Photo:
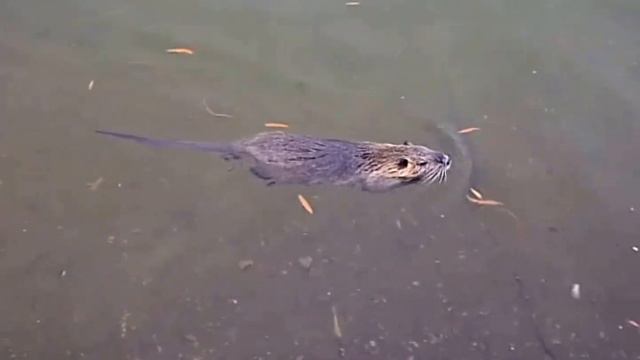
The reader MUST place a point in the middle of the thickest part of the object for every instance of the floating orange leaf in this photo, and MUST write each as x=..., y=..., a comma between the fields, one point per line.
x=468, y=130
x=487, y=202
x=276, y=125
x=305, y=204
x=180, y=51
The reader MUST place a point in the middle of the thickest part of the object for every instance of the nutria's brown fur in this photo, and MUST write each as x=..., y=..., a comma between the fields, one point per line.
x=285, y=158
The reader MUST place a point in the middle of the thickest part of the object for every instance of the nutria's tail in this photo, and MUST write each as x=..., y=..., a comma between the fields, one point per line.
x=185, y=144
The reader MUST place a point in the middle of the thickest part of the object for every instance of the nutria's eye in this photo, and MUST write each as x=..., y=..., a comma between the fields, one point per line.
x=403, y=163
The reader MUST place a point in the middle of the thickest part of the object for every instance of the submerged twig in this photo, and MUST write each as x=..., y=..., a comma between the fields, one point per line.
x=94, y=185
x=487, y=202
x=479, y=199
x=213, y=113
x=337, y=331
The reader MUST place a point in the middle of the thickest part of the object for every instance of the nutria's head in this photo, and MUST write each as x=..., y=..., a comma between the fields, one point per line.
x=408, y=163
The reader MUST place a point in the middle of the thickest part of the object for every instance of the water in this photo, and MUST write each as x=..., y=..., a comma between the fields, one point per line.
x=146, y=266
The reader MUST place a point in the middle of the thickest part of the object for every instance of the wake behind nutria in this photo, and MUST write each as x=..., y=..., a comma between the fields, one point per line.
x=285, y=158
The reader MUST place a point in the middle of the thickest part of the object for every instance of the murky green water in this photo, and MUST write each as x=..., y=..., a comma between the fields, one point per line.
x=145, y=264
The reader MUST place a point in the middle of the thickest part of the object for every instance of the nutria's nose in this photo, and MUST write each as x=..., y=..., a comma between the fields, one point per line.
x=444, y=159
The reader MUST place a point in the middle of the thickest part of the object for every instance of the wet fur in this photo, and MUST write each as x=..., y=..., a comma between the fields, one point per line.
x=284, y=158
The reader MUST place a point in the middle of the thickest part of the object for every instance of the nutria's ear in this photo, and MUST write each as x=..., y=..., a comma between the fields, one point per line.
x=403, y=163
x=407, y=142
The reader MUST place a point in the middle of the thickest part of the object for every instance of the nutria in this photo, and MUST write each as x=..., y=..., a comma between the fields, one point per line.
x=284, y=158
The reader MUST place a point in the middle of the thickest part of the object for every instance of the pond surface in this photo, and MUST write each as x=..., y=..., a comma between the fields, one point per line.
x=112, y=250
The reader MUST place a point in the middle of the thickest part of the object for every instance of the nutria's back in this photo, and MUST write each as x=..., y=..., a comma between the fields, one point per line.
x=318, y=160
x=291, y=158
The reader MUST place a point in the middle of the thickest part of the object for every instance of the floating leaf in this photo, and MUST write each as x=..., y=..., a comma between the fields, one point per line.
x=184, y=51
x=476, y=193
x=305, y=204
x=276, y=125
x=468, y=130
